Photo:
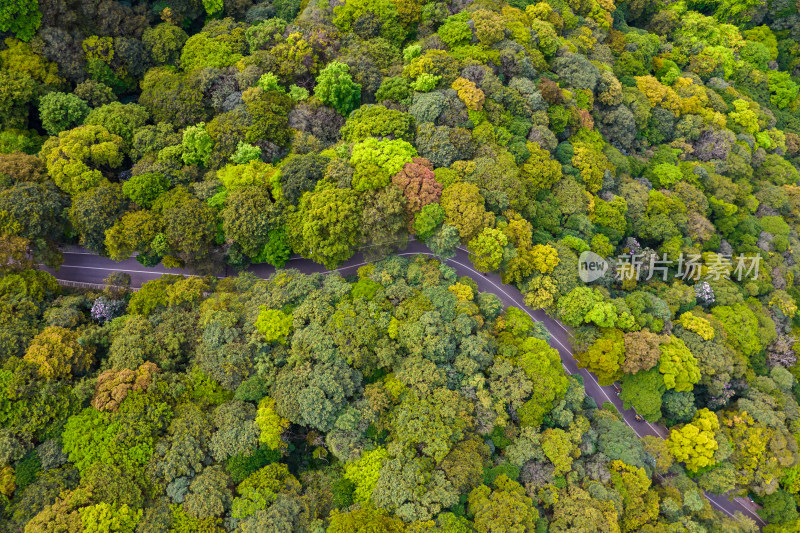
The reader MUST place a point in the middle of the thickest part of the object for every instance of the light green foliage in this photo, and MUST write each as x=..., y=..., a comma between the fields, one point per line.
x=378, y=121
x=427, y=220
x=271, y=425
x=263, y=488
x=269, y=82
x=411, y=51
x=298, y=94
x=376, y=161
x=667, y=175
x=432, y=424
x=742, y=328
x=336, y=88
x=694, y=443
x=277, y=251
x=197, y=145
x=364, y=520
x=425, y=82
x=57, y=353
x=253, y=173
x=605, y=357
x=456, y=31
x=486, y=250
x=386, y=11
x=61, y=111
x=542, y=365
x=132, y=232
x=643, y=391
x=201, y=50
x=744, y=116
x=326, y=225
x=144, y=189
x=106, y=518
x=364, y=473
x=574, y=307
x=784, y=90
x=464, y=210
x=274, y=325
x=93, y=436
x=245, y=153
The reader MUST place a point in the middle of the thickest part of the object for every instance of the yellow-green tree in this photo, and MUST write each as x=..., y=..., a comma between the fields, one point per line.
x=271, y=424
x=486, y=250
x=678, y=365
x=506, y=507
x=58, y=353
x=274, y=324
x=639, y=503
x=464, y=210
x=75, y=158
x=694, y=444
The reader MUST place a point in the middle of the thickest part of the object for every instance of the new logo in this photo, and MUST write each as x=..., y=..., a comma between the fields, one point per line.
x=591, y=266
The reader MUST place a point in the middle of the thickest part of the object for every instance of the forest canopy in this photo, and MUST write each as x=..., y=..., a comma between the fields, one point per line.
x=209, y=135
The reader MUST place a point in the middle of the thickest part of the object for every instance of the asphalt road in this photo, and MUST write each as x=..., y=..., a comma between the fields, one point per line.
x=83, y=266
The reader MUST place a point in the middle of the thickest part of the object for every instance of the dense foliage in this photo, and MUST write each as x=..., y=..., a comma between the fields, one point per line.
x=230, y=132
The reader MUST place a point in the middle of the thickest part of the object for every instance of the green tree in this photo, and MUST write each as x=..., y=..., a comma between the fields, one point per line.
x=271, y=425
x=486, y=250
x=134, y=231
x=61, y=111
x=326, y=225
x=202, y=50
x=337, y=89
x=189, y=225
x=643, y=391
x=376, y=161
x=378, y=121
x=247, y=218
x=274, y=325
x=427, y=220
x=605, y=357
x=678, y=365
x=95, y=211
x=58, y=354
x=245, y=152
x=209, y=495
x=364, y=520
x=197, y=145
x=144, y=189
x=75, y=158
x=444, y=241
x=119, y=119
x=464, y=210
x=107, y=518
x=505, y=507
x=164, y=42
x=21, y=17
x=542, y=365
x=432, y=424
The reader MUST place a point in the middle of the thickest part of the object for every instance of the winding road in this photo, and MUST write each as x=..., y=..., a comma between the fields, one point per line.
x=83, y=266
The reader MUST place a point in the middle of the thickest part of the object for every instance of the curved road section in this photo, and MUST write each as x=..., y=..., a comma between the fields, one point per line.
x=83, y=266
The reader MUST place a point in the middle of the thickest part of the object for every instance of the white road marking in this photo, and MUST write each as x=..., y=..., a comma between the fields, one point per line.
x=121, y=270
